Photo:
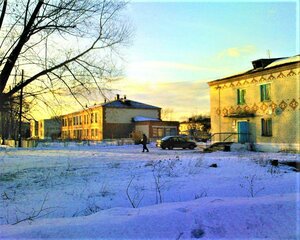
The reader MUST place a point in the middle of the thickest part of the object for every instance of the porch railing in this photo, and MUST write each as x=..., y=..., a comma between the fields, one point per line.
x=230, y=137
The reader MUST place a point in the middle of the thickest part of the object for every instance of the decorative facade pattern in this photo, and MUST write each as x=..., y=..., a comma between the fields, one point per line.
x=272, y=95
x=255, y=80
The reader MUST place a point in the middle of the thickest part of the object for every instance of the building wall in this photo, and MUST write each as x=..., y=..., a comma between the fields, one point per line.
x=143, y=128
x=118, y=121
x=283, y=107
x=157, y=129
x=117, y=130
x=125, y=115
x=110, y=122
x=34, y=129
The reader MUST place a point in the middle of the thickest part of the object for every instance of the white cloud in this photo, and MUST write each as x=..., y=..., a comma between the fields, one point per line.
x=184, y=98
x=236, y=52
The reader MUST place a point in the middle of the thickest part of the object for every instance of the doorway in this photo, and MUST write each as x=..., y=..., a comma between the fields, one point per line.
x=243, y=131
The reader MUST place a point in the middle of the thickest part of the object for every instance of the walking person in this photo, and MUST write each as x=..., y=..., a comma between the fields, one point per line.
x=144, y=142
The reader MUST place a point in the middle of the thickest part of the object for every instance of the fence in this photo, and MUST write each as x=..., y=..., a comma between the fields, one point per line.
x=43, y=143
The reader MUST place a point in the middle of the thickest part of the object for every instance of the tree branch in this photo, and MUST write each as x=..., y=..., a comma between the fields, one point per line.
x=3, y=12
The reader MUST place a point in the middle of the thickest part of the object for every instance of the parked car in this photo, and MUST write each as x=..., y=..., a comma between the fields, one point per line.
x=171, y=142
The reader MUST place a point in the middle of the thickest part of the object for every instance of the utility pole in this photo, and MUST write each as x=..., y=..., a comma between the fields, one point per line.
x=20, y=113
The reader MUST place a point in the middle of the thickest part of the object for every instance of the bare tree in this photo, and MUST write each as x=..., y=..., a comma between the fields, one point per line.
x=65, y=47
x=167, y=114
x=9, y=118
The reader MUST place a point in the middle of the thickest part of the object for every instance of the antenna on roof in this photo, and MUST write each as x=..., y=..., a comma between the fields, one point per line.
x=269, y=53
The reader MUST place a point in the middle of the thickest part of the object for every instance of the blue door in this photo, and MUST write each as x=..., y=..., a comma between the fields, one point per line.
x=243, y=132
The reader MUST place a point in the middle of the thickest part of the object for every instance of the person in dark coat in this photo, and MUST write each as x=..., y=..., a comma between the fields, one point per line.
x=144, y=142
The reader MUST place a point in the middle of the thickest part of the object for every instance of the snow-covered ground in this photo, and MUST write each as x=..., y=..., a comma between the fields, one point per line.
x=118, y=192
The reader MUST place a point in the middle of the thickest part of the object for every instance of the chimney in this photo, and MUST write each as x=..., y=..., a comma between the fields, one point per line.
x=118, y=97
x=125, y=97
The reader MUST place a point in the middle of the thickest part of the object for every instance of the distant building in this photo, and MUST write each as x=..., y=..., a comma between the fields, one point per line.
x=34, y=129
x=115, y=119
x=259, y=106
x=47, y=128
x=195, y=127
x=155, y=128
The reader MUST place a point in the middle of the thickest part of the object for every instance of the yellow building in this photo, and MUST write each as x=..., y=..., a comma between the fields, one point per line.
x=196, y=127
x=260, y=106
x=109, y=120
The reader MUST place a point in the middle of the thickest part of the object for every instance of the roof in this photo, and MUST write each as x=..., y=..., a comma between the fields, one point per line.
x=126, y=103
x=143, y=119
x=283, y=61
x=261, y=65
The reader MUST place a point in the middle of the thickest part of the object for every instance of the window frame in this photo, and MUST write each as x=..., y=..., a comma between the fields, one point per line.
x=265, y=92
x=241, y=92
x=266, y=127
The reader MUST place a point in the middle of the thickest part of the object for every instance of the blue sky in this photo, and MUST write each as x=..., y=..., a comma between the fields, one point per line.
x=177, y=47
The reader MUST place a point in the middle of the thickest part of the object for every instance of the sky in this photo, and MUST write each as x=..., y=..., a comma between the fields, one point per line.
x=177, y=47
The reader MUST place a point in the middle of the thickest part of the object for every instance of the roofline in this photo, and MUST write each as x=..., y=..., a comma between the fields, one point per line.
x=158, y=109
x=251, y=72
x=152, y=107
x=83, y=110
x=159, y=121
x=103, y=106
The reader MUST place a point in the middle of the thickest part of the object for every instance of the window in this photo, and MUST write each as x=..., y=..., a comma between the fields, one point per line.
x=173, y=131
x=160, y=132
x=241, y=96
x=154, y=132
x=168, y=132
x=96, y=117
x=265, y=92
x=266, y=127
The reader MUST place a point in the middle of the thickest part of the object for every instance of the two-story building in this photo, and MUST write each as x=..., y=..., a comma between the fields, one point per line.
x=260, y=106
x=115, y=119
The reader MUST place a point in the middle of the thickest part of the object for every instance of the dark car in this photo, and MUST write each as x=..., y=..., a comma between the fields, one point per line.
x=171, y=142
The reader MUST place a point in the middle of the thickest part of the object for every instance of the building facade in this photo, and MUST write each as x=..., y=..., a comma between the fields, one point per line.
x=109, y=120
x=260, y=106
x=34, y=129
x=47, y=128
x=197, y=128
x=157, y=129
